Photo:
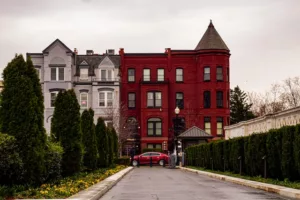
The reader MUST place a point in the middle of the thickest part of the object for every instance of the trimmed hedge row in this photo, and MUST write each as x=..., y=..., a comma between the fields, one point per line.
x=280, y=148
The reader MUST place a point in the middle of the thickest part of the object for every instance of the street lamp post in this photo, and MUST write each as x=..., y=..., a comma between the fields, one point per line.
x=177, y=111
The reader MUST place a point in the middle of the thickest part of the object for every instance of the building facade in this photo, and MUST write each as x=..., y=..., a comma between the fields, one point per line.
x=264, y=123
x=197, y=81
x=94, y=78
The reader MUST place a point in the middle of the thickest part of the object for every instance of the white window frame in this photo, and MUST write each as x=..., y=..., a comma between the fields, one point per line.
x=56, y=93
x=106, y=101
x=179, y=74
x=130, y=77
x=87, y=100
x=57, y=73
x=160, y=74
x=84, y=77
x=146, y=77
x=106, y=78
x=220, y=125
x=207, y=126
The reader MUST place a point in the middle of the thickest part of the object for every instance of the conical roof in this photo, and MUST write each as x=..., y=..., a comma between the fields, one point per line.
x=211, y=40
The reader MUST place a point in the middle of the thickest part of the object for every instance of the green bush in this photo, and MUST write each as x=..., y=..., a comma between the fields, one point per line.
x=125, y=160
x=11, y=165
x=152, y=150
x=53, y=159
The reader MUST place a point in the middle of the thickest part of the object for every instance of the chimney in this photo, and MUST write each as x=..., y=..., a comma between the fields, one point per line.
x=110, y=52
x=75, y=51
x=89, y=52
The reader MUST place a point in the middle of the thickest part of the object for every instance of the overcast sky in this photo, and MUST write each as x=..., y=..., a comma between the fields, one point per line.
x=263, y=35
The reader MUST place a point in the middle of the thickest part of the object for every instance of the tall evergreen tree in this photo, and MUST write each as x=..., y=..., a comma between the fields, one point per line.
x=59, y=112
x=21, y=116
x=102, y=143
x=110, y=145
x=66, y=129
x=89, y=139
x=239, y=108
x=115, y=142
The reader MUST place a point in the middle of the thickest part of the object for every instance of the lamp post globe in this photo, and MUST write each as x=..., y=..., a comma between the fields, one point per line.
x=177, y=110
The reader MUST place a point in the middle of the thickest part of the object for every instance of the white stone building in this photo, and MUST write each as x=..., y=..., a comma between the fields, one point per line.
x=263, y=123
x=94, y=78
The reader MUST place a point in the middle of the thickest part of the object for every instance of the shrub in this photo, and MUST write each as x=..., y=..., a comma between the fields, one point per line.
x=11, y=166
x=53, y=159
x=124, y=160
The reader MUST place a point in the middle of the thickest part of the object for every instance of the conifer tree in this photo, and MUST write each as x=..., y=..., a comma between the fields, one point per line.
x=21, y=116
x=102, y=143
x=110, y=145
x=115, y=143
x=66, y=129
x=89, y=139
x=239, y=108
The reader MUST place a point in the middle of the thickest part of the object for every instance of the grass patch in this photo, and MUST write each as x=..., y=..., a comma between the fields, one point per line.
x=285, y=183
x=62, y=188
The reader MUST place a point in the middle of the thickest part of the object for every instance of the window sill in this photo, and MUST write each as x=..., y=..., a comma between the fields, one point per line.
x=154, y=107
x=154, y=136
x=206, y=80
x=131, y=108
x=179, y=81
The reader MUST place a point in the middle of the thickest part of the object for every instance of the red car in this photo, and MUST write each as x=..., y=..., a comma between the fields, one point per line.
x=157, y=158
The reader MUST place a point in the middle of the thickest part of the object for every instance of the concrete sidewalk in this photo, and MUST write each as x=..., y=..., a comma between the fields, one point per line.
x=284, y=191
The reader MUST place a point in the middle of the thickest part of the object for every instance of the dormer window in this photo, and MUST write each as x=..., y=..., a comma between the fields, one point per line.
x=84, y=74
x=106, y=75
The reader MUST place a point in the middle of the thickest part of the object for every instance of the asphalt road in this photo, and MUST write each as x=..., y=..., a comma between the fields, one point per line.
x=159, y=183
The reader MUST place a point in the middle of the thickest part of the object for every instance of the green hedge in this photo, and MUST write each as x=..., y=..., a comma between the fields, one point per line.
x=280, y=148
x=125, y=160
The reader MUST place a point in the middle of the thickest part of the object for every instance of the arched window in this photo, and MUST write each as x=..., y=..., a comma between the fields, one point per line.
x=154, y=127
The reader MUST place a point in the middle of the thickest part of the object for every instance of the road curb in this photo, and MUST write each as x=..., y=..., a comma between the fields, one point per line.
x=283, y=191
x=98, y=190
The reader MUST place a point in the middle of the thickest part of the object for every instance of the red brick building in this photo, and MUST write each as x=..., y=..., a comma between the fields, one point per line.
x=197, y=81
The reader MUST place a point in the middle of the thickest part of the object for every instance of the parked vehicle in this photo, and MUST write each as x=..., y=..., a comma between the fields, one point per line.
x=144, y=159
